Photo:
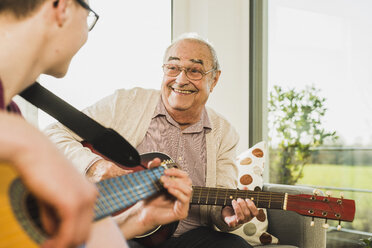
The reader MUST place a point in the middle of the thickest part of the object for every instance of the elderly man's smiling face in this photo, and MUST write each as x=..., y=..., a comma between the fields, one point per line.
x=180, y=94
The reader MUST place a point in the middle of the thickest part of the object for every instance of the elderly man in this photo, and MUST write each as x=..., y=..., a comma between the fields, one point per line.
x=175, y=121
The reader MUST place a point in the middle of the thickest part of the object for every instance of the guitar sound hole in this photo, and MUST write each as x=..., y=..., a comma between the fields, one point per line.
x=33, y=211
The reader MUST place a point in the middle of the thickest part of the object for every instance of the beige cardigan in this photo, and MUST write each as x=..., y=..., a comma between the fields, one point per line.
x=129, y=112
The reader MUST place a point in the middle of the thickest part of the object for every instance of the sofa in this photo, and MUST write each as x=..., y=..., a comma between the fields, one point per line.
x=292, y=229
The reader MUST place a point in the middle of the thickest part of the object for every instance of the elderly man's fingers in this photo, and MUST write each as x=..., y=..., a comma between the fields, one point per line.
x=246, y=213
x=252, y=207
x=154, y=163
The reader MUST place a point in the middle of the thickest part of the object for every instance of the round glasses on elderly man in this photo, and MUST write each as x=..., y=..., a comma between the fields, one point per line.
x=192, y=73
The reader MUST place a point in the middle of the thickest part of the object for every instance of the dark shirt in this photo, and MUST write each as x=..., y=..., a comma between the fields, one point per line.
x=12, y=106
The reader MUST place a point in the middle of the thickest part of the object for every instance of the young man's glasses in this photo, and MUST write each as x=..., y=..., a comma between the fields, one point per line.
x=92, y=16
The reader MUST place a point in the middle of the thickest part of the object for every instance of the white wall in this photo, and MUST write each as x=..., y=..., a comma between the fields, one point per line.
x=124, y=50
x=96, y=72
x=225, y=24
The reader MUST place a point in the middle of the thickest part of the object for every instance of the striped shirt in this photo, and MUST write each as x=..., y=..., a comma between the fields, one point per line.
x=186, y=147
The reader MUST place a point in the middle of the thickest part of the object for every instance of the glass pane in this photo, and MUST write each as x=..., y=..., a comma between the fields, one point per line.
x=130, y=36
x=320, y=80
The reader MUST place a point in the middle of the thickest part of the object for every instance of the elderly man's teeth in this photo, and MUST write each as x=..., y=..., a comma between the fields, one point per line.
x=183, y=91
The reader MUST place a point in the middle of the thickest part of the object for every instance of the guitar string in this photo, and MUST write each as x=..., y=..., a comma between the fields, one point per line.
x=261, y=198
x=260, y=194
x=213, y=197
x=195, y=191
x=228, y=193
x=145, y=190
x=234, y=191
x=240, y=195
x=332, y=200
x=130, y=191
x=299, y=208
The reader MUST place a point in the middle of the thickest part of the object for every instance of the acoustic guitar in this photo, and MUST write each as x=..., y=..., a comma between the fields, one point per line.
x=20, y=224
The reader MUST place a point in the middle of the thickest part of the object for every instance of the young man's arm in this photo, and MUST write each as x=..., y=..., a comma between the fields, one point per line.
x=51, y=178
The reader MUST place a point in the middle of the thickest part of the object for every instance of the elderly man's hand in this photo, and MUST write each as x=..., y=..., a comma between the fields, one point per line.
x=104, y=169
x=162, y=209
x=241, y=212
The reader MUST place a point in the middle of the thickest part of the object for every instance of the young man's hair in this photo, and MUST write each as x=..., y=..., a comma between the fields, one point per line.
x=19, y=8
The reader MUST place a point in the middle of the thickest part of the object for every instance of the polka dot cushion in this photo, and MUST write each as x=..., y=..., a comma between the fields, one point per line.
x=251, y=166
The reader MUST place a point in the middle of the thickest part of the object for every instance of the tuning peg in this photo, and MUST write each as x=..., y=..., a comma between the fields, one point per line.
x=326, y=225
x=329, y=193
x=312, y=223
x=342, y=195
x=316, y=192
x=339, y=226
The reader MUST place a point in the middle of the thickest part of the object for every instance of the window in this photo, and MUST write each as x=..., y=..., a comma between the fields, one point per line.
x=124, y=50
x=327, y=45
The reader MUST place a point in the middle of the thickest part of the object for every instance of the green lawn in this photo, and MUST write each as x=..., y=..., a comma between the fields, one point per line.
x=344, y=176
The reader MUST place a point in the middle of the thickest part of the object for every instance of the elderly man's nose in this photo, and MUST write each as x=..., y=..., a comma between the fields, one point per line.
x=182, y=78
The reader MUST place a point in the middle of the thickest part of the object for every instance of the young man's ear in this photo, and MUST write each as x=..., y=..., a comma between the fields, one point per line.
x=60, y=11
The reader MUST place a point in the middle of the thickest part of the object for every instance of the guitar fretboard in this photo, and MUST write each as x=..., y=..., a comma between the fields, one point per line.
x=121, y=192
x=223, y=197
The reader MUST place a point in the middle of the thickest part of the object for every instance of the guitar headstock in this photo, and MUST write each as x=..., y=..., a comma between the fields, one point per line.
x=325, y=207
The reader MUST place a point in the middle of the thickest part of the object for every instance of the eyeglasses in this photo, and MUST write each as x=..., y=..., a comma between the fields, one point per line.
x=92, y=16
x=192, y=73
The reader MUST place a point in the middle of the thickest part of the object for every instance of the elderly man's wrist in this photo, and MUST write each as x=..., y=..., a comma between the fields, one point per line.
x=94, y=173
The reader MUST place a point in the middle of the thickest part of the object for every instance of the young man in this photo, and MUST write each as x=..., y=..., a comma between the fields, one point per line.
x=176, y=121
x=42, y=36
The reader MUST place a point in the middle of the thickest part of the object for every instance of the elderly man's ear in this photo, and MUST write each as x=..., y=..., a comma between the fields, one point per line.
x=215, y=80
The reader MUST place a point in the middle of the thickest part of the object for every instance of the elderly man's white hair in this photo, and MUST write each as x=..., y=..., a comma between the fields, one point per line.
x=198, y=38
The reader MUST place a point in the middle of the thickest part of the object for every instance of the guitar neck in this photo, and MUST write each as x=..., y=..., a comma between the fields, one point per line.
x=118, y=193
x=223, y=197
